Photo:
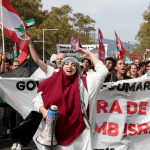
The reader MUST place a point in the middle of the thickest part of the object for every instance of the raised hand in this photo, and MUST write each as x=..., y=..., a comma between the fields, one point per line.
x=86, y=53
x=3, y=56
x=27, y=38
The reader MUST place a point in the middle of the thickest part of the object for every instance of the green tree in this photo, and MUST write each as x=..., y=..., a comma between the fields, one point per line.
x=27, y=9
x=60, y=18
x=83, y=23
x=143, y=35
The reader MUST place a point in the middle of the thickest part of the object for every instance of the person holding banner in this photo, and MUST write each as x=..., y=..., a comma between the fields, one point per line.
x=67, y=90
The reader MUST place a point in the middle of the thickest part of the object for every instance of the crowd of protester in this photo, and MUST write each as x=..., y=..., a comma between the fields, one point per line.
x=118, y=70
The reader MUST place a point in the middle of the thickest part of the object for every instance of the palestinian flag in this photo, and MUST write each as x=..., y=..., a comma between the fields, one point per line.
x=78, y=46
x=15, y=52
x=117, y=39
x=101, y=50
x=147, y=50
x=128, y=60
x=2, y=101
x=27, y=69
x=29, y=22
x=117, y=47
x=13, y=27
x=121, y=49
x=114, y=56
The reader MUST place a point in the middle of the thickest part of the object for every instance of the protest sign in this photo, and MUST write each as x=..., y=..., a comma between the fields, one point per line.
x=133, y=56
x=121, y=111
x=123, y=116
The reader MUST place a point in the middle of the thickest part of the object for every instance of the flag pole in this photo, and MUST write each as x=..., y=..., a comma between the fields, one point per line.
x=2, y=27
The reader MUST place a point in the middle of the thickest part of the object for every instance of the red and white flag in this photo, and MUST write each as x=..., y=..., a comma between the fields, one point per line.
x=114, y=56
x=101, y=50
x=147, y=50
x=117, y=47
x=117, y=39
x=121, y=50
x=13, y=27
x=73, y=42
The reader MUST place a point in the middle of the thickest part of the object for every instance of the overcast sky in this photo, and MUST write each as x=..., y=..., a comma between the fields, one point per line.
x=124, y=17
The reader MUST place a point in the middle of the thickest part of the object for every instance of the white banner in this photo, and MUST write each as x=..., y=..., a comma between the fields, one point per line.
x=19, y=93
x=122, y=111
x=123, y=116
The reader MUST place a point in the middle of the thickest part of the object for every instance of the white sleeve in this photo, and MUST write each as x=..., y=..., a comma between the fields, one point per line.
x=38, y=101
x=96, y=79
x=50, y=71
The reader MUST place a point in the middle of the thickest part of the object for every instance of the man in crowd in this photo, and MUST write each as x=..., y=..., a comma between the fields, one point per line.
x=110, y=65
x=6, y=63
x=147, y=66
x=4, y=107
x=137, y=62
x=15, y=64
x=59, y=59
x=145, y=57
x=86, y=63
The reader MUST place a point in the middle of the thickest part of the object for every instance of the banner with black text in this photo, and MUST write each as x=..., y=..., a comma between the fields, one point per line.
x=122, y=111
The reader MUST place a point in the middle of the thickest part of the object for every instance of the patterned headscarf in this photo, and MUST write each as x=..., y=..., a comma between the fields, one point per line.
x=73, y=60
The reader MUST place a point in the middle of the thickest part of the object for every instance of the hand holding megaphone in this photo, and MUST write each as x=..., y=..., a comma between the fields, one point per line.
x=48, y=135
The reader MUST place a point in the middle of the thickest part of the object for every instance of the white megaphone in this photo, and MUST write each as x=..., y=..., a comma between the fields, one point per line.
x=48, y=135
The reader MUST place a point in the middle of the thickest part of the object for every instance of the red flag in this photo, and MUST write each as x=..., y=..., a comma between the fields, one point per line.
x=114, y=56
x=117, y=39
x=14, y=27
x=101, y=46
x=78, y=42
x=147, y=50
x=73, y=42
x=121, y=50
x=78, y=46
x=133, y=56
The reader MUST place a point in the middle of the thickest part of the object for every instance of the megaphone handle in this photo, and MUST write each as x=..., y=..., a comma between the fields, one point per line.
x=52, y=132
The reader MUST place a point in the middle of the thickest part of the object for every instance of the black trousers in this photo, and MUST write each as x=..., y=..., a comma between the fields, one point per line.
x=3, y=119
x=25, y=132
x=9, y=119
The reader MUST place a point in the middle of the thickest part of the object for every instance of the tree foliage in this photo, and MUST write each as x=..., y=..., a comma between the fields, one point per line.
x=61, y=18
x=84, y=23
x=143, y=35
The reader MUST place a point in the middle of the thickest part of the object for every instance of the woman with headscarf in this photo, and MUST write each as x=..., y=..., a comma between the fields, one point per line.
x=67, y=91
